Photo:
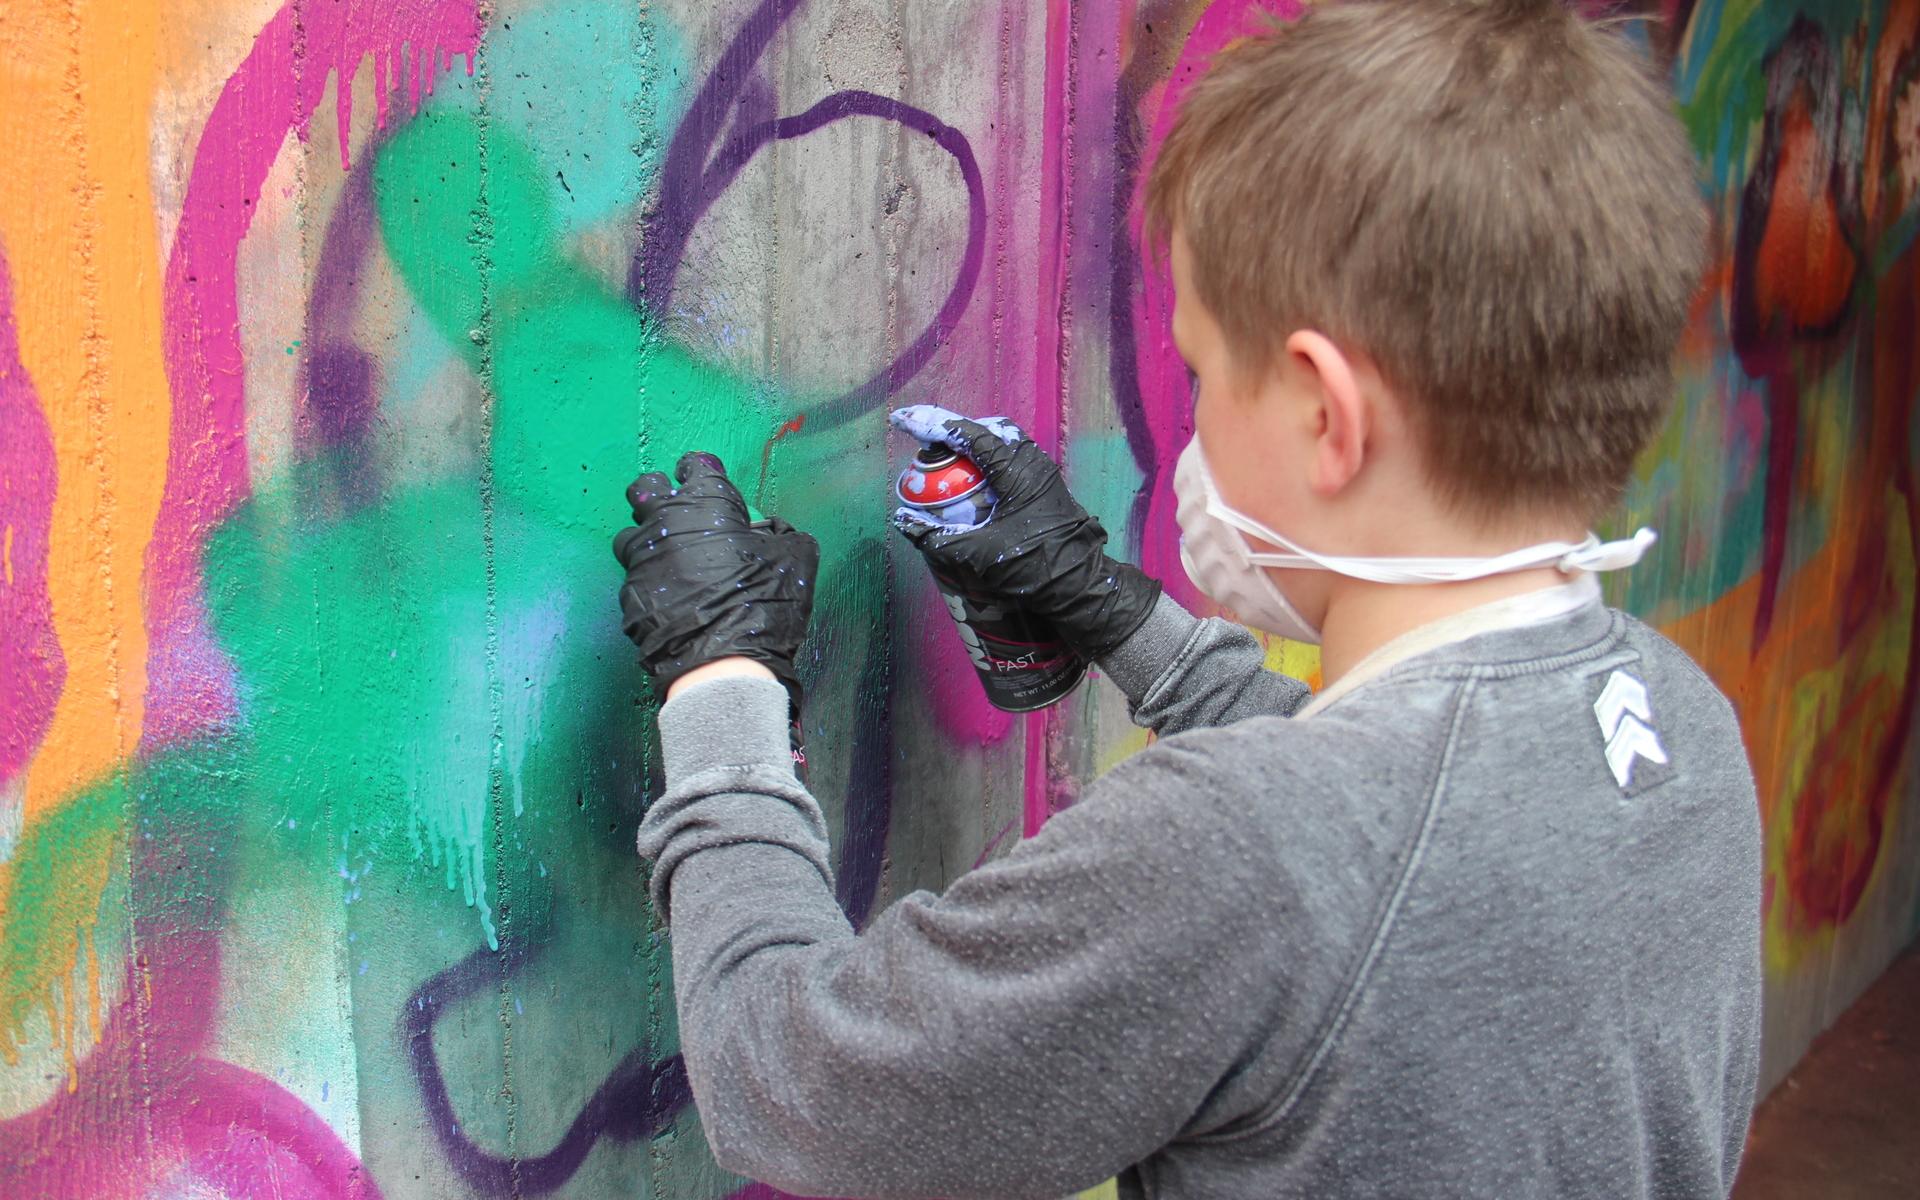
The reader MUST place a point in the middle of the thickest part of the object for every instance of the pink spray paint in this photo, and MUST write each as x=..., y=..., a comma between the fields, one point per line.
x=32, y=668
x=1162, y=373
x=274, y=92
x=146, y=1103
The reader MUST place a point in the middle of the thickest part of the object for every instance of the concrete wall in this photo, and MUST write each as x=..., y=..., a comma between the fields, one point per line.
x=330, y=332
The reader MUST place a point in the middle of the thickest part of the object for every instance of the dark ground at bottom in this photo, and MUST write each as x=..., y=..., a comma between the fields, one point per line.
x=1845, y=1125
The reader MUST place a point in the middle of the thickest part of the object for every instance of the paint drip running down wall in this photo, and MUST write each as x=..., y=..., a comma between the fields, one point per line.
x=330, y=334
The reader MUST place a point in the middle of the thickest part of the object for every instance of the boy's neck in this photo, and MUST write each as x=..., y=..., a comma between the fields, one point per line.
x=1363, y=616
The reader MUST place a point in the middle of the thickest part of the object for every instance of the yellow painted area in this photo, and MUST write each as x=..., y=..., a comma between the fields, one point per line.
x=1120, y=749
x=1297, y=659
x=1106, y=1191
x=76, y=221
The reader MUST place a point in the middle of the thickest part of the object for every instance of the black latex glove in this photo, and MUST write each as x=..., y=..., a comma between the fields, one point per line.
x=705, y=583
x=1040, y=551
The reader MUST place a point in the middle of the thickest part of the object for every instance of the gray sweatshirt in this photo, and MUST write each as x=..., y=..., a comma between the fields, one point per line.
x=1486, y=923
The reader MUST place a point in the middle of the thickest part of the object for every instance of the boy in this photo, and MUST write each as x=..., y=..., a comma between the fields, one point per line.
x=1482, y=917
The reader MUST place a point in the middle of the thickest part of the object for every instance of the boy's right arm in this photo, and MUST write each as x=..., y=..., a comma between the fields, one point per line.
x=1042, y=552
x=1180, y=672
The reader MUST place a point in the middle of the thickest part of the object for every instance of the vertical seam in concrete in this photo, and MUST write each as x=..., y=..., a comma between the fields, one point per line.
x=894, y=173
x=1050, y=343
x=87, y=222
x=483, y=240
x=780, y=154
x=1002, y=219
x=881, y=641
x=656, y=1168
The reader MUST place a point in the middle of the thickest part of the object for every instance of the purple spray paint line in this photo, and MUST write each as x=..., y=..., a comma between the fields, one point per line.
x=1022, y=662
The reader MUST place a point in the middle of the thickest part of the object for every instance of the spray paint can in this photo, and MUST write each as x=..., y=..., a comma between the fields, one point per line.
x=1022, y=661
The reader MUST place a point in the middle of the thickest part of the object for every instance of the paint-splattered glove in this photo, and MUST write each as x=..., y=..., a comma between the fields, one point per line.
x=1040, y=550
x=705, y=581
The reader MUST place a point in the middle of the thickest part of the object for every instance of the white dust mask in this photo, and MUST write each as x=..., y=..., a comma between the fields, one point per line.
x=1214, y=550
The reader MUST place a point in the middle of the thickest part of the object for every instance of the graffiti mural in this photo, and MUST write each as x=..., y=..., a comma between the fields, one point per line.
x=1785, y=480
x=330, y=334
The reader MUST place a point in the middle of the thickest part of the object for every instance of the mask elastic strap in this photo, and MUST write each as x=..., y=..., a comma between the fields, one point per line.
x=1612, y=556
x=1589, y=555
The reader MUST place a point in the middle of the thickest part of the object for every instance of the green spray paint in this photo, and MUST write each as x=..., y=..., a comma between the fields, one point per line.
x=358, y=628
x=59, y=875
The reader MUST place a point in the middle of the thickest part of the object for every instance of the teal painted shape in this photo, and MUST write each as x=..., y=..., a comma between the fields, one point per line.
x=594, y=85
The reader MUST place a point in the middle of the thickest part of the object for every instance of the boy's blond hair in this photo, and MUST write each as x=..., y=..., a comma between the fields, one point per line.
x=1493, y=199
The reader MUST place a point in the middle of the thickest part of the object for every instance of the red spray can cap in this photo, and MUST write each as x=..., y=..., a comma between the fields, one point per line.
x=938, y=477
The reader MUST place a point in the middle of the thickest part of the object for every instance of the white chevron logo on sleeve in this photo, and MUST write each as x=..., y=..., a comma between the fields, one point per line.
x=1626, y=722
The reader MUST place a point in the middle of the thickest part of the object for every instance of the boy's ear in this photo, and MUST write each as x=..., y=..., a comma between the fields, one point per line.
x=1344, y=414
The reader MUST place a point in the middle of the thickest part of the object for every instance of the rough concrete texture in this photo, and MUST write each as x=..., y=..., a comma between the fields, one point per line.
x=330, y=333
x=1845, y=1124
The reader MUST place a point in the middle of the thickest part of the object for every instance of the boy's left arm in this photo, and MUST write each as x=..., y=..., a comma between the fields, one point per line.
x=1053, y=1018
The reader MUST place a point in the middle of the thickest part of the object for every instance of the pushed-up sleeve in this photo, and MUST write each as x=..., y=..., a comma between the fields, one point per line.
x=1182, y=672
